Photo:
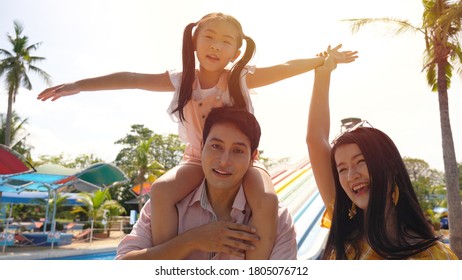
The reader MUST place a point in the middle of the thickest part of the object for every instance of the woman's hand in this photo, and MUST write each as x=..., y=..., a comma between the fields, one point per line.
x=341, y=56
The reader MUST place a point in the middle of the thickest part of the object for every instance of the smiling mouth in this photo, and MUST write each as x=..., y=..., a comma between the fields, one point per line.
x=220, y=172
x=359, y=188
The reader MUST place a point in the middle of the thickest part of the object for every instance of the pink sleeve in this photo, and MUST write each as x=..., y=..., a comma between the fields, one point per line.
x=140, y=236
x=285, y=247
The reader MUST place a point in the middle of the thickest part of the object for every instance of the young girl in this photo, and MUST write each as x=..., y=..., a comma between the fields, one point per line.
x=215, y=41
x=372, y=210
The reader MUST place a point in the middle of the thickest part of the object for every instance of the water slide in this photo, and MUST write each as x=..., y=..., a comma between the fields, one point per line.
x=297, y=190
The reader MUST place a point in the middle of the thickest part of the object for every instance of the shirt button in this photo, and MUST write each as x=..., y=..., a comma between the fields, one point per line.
x=203, y=116
x=200, y=104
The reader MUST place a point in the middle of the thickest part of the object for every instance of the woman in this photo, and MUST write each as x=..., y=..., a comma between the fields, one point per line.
x=372, y=210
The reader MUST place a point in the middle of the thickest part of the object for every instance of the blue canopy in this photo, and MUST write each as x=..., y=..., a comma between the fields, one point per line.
x=95, y=177
x=31, y=182
x=33, y=198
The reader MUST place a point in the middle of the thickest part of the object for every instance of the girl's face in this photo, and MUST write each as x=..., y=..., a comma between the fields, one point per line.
x=353, y=174
x=217, y=44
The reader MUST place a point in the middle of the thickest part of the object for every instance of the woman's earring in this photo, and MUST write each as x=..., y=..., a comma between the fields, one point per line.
x=395, y=195
x=352, y=211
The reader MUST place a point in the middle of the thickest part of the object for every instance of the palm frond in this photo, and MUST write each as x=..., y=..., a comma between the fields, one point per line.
x=80, y=209
x=33, y=59
x=16, y=127
x=456, y=57
x=431, y=77
x=25, y=82
x=5, y=53
x=34, y=47
x=114, y=207
x=41, y=73
x=18, y=27
x=452, y=12
x=85, y=199
x=398, y=26
x=99, y=197
x=429, y=16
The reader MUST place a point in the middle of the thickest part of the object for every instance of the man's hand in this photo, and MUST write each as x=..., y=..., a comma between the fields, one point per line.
x=224, y=236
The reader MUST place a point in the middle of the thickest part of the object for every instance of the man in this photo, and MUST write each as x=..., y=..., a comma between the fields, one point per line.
x=213, y=219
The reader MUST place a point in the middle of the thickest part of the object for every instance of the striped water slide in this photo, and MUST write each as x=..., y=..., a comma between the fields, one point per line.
x=296, y=189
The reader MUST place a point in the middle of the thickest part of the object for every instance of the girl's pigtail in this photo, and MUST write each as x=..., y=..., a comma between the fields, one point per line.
x=234, y=83
x=189, y=66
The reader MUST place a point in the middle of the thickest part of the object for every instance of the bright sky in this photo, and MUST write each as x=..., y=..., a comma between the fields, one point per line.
x=87, y=38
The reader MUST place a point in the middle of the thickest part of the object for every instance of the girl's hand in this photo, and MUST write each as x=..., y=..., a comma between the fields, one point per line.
x=58, y=91
x=343, y=56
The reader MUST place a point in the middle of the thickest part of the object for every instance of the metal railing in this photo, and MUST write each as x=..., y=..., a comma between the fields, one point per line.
x=27, y=234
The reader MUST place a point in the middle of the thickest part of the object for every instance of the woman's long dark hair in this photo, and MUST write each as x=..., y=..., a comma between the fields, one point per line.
x=386, y=169
x=189, y=63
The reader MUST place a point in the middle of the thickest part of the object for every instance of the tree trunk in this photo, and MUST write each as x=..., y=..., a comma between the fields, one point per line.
x=450, y=166
x=9, y=116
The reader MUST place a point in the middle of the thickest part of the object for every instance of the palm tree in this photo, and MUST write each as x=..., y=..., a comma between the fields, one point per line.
x=15, y=65
x=441, y=28
x=97, y=204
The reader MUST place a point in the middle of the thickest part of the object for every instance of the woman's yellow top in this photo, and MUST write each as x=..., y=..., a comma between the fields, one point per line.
x=439, y=251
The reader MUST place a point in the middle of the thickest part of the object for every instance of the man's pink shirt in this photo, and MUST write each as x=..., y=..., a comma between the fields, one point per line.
x=194, y=211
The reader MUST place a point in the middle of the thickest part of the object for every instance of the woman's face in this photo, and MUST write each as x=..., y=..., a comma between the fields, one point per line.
x=353, y=174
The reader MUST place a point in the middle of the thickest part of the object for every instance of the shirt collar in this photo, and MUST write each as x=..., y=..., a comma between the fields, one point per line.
x=200, y=196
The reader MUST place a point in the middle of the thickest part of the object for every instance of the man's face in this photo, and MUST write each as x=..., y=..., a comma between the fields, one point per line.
x=226, y=156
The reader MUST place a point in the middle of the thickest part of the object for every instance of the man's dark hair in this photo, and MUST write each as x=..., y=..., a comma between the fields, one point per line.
x=242, y=119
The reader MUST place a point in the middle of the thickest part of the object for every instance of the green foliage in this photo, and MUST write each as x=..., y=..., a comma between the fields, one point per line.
x=37, y=210
x=80, y=162
x=165, y=149
x=96, y=203
x=144, y=157
x=24, y=212
x=428, y=183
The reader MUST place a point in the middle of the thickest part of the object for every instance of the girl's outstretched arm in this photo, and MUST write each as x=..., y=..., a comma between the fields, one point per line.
x=120, y=80
x=272, y=74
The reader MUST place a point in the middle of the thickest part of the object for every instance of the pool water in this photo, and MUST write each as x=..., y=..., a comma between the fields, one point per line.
x=95, y=256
